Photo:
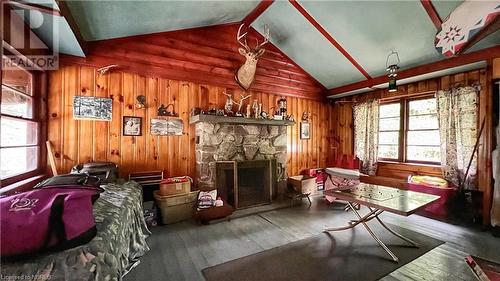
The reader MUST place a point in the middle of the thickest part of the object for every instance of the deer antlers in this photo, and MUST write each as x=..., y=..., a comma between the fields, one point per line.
x=257, y=45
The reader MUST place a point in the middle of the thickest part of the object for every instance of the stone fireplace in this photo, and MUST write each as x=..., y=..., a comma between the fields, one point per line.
x=224, y=147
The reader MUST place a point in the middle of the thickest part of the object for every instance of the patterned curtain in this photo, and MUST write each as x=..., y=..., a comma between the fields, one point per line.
x=366, y=135
x=458, y=118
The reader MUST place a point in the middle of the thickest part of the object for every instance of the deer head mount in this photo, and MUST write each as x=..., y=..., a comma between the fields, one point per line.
x=246, y=73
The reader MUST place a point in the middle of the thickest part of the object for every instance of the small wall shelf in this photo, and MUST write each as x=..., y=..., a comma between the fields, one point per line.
x=238, y=120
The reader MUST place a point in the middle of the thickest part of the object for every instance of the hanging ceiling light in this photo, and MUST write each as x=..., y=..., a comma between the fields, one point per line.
x=392, y=70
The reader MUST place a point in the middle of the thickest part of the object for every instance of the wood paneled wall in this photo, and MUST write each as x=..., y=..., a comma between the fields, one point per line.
x=78, y=141
x=203, y=55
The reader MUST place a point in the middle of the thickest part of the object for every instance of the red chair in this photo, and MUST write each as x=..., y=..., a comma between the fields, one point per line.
x=348, y=162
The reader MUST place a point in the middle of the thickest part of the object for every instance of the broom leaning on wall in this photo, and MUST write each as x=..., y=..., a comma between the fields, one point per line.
x=495, y=207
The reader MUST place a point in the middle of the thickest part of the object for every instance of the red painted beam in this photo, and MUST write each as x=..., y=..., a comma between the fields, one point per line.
x=431, y=11
x=329, y=37
x=491, y=28
x=255, y=13
x=33, y=7
x=484, y=54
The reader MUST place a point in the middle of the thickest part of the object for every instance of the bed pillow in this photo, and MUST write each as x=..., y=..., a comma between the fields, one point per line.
x=206, y=199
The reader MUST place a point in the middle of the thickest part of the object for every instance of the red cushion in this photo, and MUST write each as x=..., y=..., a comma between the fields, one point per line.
x=214, y=213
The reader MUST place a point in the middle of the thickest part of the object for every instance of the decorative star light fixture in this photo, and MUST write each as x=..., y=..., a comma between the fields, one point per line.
x=392, y=70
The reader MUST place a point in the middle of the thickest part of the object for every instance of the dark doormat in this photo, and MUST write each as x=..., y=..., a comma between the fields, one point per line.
x=342, y=255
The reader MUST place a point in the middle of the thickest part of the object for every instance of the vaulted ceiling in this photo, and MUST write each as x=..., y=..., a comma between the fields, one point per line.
x=336, y=42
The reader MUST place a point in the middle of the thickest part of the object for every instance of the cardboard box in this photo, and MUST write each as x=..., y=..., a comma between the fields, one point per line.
x=303, y=184
x=175, y=186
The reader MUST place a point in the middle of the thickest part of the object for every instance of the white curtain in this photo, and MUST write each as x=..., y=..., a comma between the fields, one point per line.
x=458, y=126
x=366, y=135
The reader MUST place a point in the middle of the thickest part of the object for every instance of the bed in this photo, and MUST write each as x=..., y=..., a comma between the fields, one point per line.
x=117, y=247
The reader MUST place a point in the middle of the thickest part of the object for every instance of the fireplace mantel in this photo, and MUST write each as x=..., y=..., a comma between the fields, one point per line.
x=238, y=120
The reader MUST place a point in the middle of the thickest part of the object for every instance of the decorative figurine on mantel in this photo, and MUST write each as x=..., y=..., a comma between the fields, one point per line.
x=228, y=107
x=248, y=111
x=255, y=108
x=240, y=104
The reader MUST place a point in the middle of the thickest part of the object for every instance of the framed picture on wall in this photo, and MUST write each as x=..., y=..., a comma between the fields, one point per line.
x=305, y=130
x=167, y=127
x=92, y=108
x=132, y=126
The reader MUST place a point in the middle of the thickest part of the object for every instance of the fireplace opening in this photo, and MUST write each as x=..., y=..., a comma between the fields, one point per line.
x=252, y=184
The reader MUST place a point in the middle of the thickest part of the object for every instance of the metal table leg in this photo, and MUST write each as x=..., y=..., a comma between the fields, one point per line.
x=394, y=257
x=413, y=243
x=353, y=223
x=374, y=213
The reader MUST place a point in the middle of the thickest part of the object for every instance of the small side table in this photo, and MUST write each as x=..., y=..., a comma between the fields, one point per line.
x=300, y=187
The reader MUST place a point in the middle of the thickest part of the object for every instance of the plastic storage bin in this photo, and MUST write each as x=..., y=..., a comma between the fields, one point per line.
x=176, y=208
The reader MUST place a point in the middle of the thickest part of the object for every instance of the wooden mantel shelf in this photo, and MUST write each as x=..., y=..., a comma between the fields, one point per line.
x=238, y=120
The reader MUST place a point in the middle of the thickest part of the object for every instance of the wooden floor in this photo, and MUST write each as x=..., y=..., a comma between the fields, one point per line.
x=180, y=251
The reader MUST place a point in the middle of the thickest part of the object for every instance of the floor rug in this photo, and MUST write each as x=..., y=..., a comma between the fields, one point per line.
x=343, y=255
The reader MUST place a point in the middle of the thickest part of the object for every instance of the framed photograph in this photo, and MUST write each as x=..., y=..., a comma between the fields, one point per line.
x=132, y=126
x=92, y=108
x=305, y=130
x=167, y=127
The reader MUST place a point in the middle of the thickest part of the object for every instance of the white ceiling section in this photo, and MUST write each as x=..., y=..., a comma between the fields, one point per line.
x=99, y=20
x=300, y=41
x=369, y=30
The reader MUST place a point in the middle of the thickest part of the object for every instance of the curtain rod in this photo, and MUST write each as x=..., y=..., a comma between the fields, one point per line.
x=476, y=86
x=407, y=95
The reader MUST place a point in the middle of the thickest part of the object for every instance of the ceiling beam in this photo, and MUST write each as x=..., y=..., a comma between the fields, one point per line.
x=329, y=38
x=66, y=13
x=491, y=28
x=483, y=54
x=33, y=7
x=255, y=13
x=431, y=11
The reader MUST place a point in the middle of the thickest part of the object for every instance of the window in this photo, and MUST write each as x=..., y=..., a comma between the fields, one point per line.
x=409, y=131
x=389, y=131
x=19, y=141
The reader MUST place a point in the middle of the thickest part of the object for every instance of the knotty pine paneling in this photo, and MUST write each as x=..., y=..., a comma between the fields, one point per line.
x=202, y=55
x=78, y=141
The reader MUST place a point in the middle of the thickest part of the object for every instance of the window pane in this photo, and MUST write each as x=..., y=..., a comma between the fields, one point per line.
x=389, y=110
x=15, y=161
x=418, y=107
x=423, y=122
x=423, y=138
x=16, y=104
x=389, y=124
x=388, y=138
x=388, y=151
x=17, y=79
x=423, y=153
x=17, y=132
